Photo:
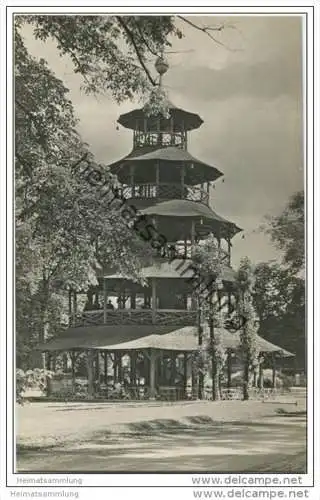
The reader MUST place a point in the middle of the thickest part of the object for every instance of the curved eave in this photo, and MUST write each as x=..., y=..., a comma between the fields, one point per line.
x=175, y=269
x=191, y=121
x=190, y=209
x=169, y=155
x=137, y=337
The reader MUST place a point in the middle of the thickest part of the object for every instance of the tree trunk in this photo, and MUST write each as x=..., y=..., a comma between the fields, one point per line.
x=246, y=380
x=39, y=358
x=215, y=385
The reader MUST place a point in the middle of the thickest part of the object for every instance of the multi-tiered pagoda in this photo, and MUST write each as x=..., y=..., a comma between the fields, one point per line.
x=145, y=335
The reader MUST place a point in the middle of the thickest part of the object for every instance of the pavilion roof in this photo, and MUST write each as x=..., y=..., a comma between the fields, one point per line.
x=187, y=208
x=140, y=337
x=135, y=117
x=201, y=171
x=177, y=268
x=174, y=154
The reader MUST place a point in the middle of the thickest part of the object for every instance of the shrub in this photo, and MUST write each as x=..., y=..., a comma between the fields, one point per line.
x=30, y=379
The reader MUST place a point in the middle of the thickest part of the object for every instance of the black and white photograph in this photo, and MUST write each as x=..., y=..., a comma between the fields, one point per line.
x=161, y=198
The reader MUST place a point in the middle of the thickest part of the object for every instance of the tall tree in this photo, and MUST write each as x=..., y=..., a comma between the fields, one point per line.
x=287, y=231
x=110, y=52
x=208, y=260
x=249, y=330
x=279, y=299
x=64, y=230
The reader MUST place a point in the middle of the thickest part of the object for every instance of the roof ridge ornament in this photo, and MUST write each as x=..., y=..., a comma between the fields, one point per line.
x=161, y=66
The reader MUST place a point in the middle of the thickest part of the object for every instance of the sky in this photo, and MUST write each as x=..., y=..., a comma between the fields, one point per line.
x=249, y=94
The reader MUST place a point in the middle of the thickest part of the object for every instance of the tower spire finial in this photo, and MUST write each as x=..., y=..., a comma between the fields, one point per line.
x=161, y=66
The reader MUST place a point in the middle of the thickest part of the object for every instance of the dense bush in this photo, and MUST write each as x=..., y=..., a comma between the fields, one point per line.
x=30, y=379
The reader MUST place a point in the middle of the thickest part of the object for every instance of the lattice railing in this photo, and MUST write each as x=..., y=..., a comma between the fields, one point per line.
x=183, y=317
x=167, y=191
x=138, y=317
x=158, y=138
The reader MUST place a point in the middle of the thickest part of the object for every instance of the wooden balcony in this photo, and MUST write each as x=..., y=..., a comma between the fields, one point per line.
x=168, y=317
x=165, y=191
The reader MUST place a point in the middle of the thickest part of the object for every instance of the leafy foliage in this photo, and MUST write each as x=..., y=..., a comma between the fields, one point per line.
x=287, y=232
x=110, y=52
x=248, y=335
x=207, y=258
x=65, y=232
x=30, y=379
x=279, y=298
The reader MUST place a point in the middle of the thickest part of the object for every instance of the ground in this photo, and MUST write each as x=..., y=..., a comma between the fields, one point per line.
x=228, y=436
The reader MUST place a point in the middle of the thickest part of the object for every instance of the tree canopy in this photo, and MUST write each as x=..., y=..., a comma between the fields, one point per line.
x=287, y=232
x=279, y=299
x=65, y=232
x=110, y=52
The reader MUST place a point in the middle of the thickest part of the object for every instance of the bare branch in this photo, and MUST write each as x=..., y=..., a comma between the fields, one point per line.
x=131, y=37
x=207, y=30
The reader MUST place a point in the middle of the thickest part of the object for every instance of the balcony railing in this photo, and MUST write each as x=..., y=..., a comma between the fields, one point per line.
x=165, y=191
x=160, y=139
x=168, y=317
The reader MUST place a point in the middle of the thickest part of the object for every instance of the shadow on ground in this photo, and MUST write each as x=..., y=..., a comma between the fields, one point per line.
x=276, y=444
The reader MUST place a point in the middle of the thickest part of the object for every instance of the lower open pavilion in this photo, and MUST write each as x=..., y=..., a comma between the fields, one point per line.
x=144, y=362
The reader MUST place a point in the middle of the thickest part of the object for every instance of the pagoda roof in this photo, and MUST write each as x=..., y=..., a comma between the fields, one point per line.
x=187, y=208
x=135, y=118
x=140, y=337
x=177, y=268
x=201, y=171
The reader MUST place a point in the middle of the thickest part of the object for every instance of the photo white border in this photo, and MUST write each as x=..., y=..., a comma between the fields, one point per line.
x=233, y=8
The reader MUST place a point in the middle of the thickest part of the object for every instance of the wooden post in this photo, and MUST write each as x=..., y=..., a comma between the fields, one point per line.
x=90, y=373
x=154, y=300
x=73, y=370
x=70, y=307
x=48, y=358
x=261, y=382
x=65, y=362
x=173, y=371
x=157, y=178
x=97, y=369
x=193, y=235
x=185, y=373
x=133, y=300
x=229, y=303
x=274, y=372
x=74, y=308
x=229, y=368
x=255, y=378
x=120, y=372
x=115, y=367
x=229, y=250
x=105, y=371
x=105, y=298
x=133, y=368
x=194, y=378
x=182, y=173
x=131, y=178
x=152, y=373
x=105, y=367
x=200, y=341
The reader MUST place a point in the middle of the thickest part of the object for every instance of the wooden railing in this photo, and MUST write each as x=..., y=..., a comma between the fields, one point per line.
x=169, y=317
x=159, y=138
x=165, y=191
